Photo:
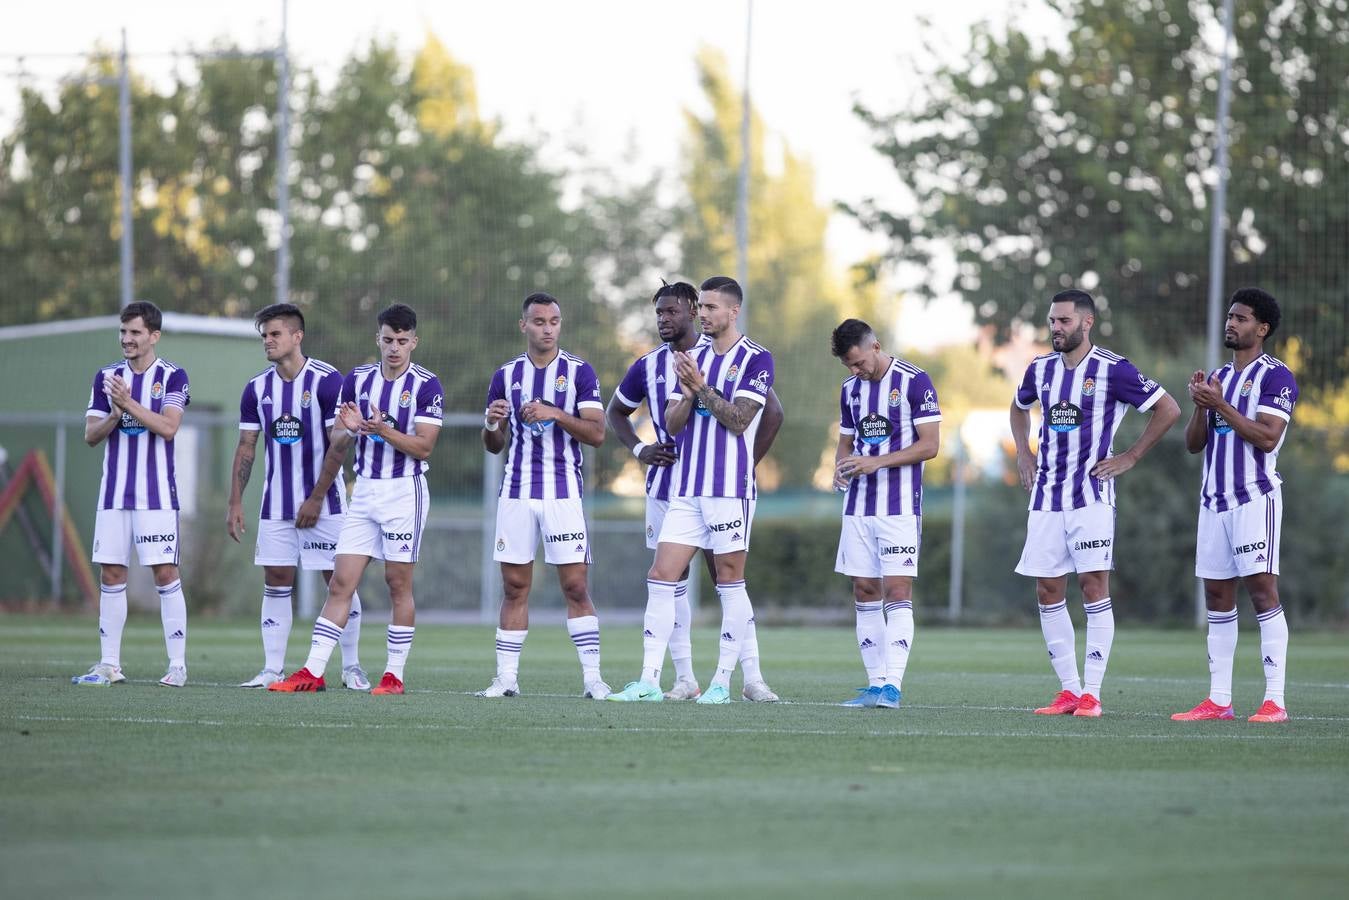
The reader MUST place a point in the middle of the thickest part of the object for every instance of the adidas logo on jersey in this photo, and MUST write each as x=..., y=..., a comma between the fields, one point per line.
x=266, y=400
x=660, y=379
x=516, y=386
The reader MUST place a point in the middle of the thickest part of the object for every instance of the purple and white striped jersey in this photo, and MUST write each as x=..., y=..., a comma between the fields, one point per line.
x=137, y=463
x=543, y=462
x=883, y=417
x=1083, y=407
x=294, y=418
x=415, y=396
x=1234, y=471
x=713, y=462
x=652, y=378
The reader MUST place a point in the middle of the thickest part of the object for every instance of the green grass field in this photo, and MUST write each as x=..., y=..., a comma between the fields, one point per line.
x=210, y=791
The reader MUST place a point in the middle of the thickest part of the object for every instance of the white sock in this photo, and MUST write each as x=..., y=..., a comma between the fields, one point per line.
x=658, y=626
x=736, y=611
x=399, y=645
x=1100, y=636
x=749, y=651
x=898, y=639
x=1222, y=648
x=351, y=636
x=585, y=634
x=321, y=643
x=870, y=637
x=173, y=616
x=509, y=646
x=277, y=619
x=681, y=638
x=1061, y=641
x=111, y=621
x=1274, y=652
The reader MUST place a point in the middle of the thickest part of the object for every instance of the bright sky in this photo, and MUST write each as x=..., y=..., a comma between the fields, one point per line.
x=606, y=73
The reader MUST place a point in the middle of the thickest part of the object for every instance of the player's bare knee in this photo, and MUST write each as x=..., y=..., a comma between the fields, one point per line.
x=166, y=574
x=113, y=575
x=278, y=576
x=1049, y=591
x=1095, y=586
x=1264, y=591
x=866, y=590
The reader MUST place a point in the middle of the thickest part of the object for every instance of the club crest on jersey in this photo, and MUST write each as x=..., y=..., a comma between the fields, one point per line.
x=1246, y=387
x=1064, y=416
x=1088, y=387
x=560, y=383
x=306, y=398
x=405, y=399
x=875, y=429
x=733, y=372
x=157, y=390
x=894, y=396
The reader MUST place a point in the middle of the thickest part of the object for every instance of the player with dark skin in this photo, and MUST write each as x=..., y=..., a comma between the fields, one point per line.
x=1245, y=336
x=541, y=325
x=674, y=324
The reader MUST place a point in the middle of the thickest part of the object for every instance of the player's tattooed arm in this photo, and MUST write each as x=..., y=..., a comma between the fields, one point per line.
x=339, y=442
x=241, y=469
x=735, y=415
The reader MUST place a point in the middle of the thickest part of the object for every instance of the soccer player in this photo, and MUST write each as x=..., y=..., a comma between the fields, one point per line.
x=136, y=406
x=549, y=401
x=889, y=424
x=1083, y=391
x=394, y=410
x=1240, y=420
x=651, y=379
x=713, y=411
x=292, y=405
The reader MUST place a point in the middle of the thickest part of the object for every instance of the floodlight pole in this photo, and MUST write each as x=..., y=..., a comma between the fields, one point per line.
x=124, y=164
x=283, y=160
x=742, y=193
x=1217, y=234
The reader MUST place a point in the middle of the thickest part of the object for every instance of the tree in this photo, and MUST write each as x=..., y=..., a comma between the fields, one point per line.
x=1091, y=163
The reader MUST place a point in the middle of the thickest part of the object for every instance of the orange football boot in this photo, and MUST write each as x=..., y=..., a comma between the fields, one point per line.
x=1064, y=704
x=299, y=681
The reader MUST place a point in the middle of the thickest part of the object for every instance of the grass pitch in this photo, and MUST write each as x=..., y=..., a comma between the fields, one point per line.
x=211, y=791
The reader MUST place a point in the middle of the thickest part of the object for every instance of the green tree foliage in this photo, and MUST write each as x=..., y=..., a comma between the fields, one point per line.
x=1089, y=159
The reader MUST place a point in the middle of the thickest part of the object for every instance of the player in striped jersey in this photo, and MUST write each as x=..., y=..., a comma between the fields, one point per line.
x=1084, y=392
x=393, y=409
x=1240, y=420
x=713, y=412
x=292, y=405
x=549, y=401
x=136, y=406
x=651, y=379
x=889, y=424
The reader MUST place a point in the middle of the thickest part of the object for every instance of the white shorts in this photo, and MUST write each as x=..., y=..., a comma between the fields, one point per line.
x=280, y=543
x=879, y=546
x=719, y=524
x=1240, y=541
x=153, y=531
x=561, y=522
x=1057, y=543
x=386, y=518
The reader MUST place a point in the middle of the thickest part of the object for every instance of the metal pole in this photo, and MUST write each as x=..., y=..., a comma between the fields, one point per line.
x=1217, y=235
x=955, y=601
x=742, y=193
x=124, y=163
x=283, y=160
x=58, y=513
x=491, y=572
